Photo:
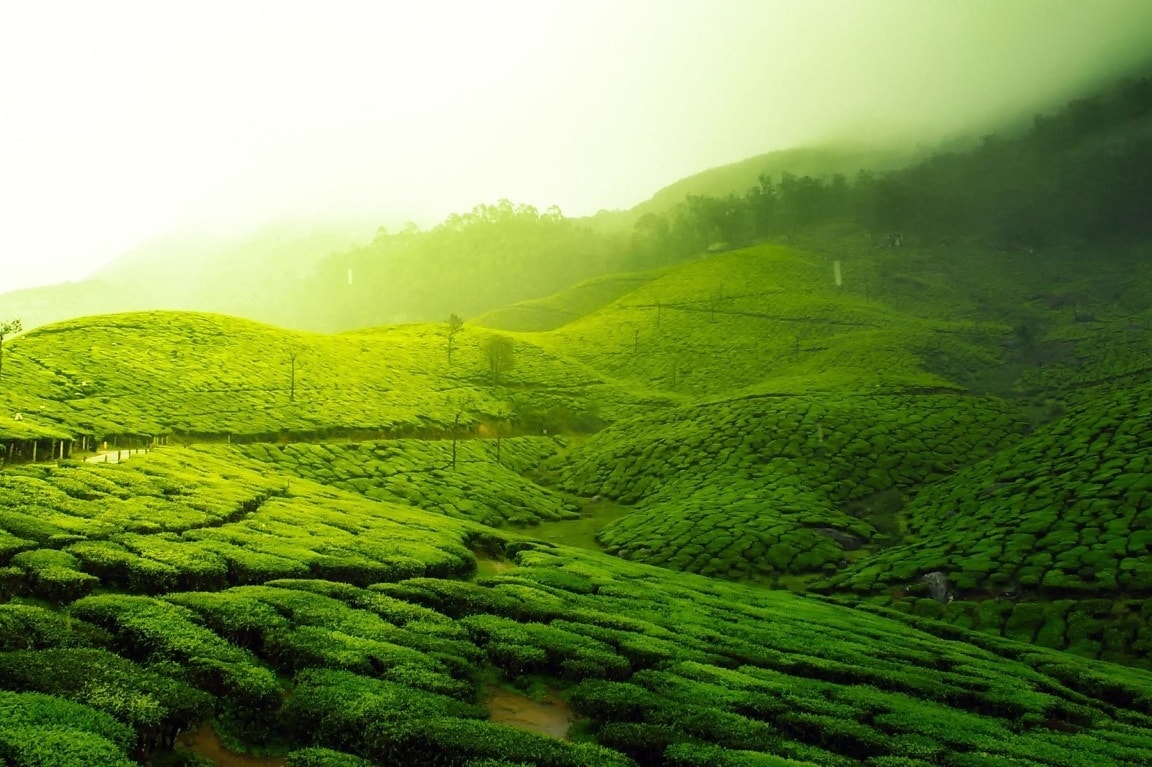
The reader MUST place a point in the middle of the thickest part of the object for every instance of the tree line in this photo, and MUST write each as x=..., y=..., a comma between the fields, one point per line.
x=1080, y=173
x=1083, y=172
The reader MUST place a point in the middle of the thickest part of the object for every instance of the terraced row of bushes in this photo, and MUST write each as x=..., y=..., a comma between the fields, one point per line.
x=146, y=527
x=665, y=668
x=486, y=485
x=764, y=318
x=700, y=672
x=767, y=485
x=1065, y=512
x=1115, y=630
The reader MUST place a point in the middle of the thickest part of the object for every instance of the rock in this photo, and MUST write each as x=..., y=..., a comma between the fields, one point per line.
x=847, y=541
x=938, y=586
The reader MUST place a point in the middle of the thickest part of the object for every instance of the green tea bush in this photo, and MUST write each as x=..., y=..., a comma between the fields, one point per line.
x=38, y=730
x=324, y=757
x=763, y=486
x=53, y=575
x=151, y=631
x=155, y=706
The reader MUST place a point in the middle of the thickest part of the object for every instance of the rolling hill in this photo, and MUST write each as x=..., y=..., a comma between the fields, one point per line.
x=851, y=504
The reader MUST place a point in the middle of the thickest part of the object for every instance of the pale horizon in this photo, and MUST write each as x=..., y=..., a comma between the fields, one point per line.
x=126, y=121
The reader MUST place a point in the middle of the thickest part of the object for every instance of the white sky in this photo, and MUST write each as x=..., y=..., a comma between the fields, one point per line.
x=121, y=120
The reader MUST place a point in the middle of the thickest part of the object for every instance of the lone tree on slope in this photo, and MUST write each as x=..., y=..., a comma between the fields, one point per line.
x=498, y=350
x=455, y=325
x=7, y=329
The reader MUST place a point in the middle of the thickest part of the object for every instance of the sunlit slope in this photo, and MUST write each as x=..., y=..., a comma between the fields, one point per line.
x=484, y=483
x=321, y=619
x=199, y=518
x=559, y=309
x=163, y=372
x=764, y=486
x=1056, y=321
x=766, y=318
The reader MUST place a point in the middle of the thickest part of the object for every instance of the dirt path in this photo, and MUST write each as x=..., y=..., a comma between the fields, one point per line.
x=551, y=716
x=205, y=742
x=114, y=456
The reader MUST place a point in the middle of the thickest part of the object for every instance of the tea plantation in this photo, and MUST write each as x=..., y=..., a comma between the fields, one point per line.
x=200, y=376
x=835, y=524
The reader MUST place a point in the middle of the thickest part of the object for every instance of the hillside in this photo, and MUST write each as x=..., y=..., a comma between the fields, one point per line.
x=813, y=497
x=380, y=567
x=347, y=630
x=210, y=376
x=736, y=178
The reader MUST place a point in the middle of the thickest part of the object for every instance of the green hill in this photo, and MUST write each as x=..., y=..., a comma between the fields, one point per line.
x=373, y=562
x=212, y=376
x=769, y=319
x=736, y=178
x=559, y=309
x=770, y=486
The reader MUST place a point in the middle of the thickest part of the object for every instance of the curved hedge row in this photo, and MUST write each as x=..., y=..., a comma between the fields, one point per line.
x=1066, y=512
x=775, y=485
x=156, y=524
x=420, y=473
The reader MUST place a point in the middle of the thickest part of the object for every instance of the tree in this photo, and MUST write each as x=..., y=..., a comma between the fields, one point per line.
x=461, y=406
x=455, y=325
x=502, y=415
x=292, y=355
x=6, y=329
x=500, y=354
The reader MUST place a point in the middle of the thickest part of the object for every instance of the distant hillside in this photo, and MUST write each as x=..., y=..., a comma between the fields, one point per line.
x=211, y=376
x=251, y=275
x=559, y=309
x=738, y=177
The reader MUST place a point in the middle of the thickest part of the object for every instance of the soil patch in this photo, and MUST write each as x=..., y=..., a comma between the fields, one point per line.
x=550, y=716
x=205, y=742
x=486, y=564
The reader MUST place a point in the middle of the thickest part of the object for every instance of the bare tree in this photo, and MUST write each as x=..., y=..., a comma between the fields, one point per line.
x=455, y=325
x=6, y=329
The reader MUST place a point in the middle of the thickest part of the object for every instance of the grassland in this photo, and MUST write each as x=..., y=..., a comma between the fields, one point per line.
x=383, y=544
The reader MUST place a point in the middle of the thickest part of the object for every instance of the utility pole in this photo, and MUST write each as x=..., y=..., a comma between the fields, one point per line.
x=292, y=384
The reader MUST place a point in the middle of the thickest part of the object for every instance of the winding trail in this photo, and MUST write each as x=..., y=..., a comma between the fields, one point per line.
x=551, y=716
x=205, y=742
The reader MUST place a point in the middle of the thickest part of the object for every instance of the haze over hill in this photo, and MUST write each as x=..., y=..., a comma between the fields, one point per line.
x=394, y=115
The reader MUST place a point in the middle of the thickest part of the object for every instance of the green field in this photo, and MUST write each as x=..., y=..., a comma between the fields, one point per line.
x=698, y=508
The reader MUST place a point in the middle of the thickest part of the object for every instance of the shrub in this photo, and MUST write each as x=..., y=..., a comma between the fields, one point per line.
x=324, y=757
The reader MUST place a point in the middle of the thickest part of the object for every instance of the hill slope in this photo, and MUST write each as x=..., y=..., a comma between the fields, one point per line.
x=196, y=374
x=334, y=622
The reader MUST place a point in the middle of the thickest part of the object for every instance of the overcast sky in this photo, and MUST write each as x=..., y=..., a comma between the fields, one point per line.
x=120, y=121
